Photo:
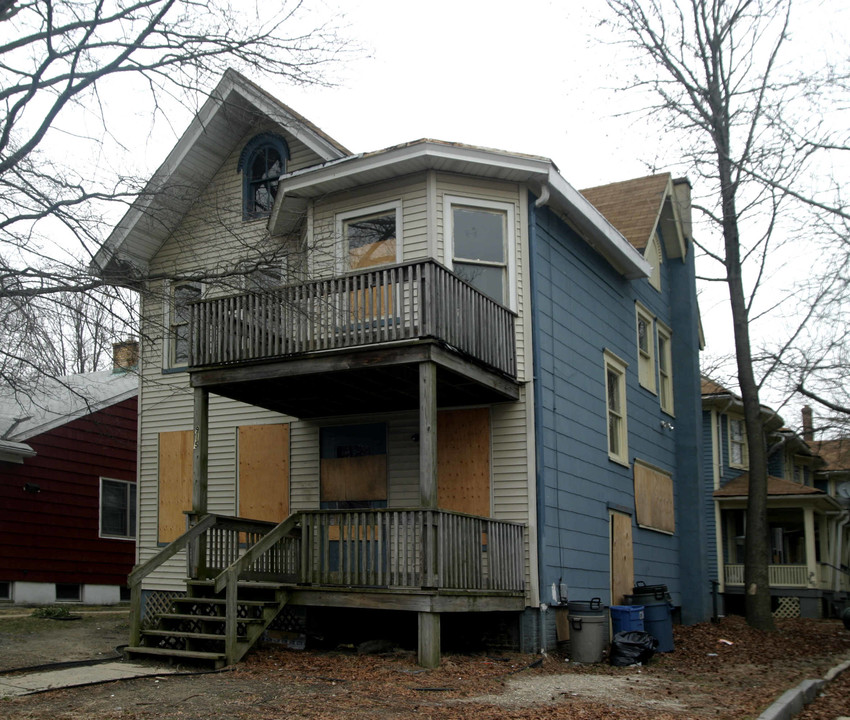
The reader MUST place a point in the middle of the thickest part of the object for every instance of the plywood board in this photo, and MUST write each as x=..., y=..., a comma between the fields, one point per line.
x=175, y=483
x=354, y=478
x=622, y=557
x=264, y=472
x=463, y=461
x=654, y=498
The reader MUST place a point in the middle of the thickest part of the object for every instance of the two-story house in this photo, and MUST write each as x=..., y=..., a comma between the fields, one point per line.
x=434, y=382
x=808, y=535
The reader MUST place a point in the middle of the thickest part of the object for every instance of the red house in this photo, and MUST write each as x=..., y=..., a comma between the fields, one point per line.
x=68, y=488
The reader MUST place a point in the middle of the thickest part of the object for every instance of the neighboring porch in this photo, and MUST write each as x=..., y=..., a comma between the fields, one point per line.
x=807, y=547
x=241, y=573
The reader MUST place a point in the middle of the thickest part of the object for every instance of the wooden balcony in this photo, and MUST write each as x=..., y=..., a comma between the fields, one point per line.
x=359, y=335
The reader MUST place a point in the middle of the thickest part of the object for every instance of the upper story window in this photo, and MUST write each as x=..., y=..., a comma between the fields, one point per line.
x=480, y=246
x=665, y=368
x=738, y=450
x=262, y=162
x=179, y=314
x=645, y=347
x=117, y=509
x=653, y=256
x=369, y=237
x=615, y=399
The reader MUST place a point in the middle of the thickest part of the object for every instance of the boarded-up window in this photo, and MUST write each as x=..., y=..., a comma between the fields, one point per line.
x=175, y=483
x=354, y=466
x=264, y=472
x=654, y=498
x=463, y=461
x=622, y=557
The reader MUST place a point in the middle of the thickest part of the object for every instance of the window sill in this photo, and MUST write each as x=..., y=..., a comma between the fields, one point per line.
x=172, y=371
x=620, y=461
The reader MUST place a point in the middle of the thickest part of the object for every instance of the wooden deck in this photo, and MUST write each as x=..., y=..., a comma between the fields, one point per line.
x=419, y=560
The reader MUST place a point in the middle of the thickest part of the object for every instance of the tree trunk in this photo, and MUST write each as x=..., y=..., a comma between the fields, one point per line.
x=757, y=539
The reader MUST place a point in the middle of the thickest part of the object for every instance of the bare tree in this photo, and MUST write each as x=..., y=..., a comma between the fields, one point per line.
x=64, y=174
x=718, y=82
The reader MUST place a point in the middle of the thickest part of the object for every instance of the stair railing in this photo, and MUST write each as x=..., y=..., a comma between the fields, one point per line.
x=228, y=579
x=140, y=572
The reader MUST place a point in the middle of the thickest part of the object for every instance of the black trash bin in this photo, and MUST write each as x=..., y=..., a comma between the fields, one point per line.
x=657, y=612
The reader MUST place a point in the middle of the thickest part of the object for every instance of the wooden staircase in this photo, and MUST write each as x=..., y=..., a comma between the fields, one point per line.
x=195, y=630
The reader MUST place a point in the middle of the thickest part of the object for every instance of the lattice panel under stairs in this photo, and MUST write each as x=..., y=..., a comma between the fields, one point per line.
x=290, y=619
x=789, y=607
x=157, y=603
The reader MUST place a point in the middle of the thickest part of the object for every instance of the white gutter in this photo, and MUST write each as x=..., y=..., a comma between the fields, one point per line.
x=15, y=452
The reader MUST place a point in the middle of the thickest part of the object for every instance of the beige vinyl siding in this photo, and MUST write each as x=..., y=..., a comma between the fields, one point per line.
x=493, y=191
x=409, y=191
x=166, y=400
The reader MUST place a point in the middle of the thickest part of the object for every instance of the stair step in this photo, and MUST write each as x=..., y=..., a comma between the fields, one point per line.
x=251, y=584
x=189, y=635
x=205, y=618
x=218, y=658
x=219, y=601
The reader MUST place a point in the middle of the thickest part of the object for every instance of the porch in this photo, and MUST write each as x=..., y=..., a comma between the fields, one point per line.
x=423, y=561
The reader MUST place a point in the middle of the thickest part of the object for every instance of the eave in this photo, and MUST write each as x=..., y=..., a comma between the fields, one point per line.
x=424, y=155
x=230, y=111
x=15, y=452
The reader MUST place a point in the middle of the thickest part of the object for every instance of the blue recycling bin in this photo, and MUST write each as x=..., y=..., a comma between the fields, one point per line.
x=657, y=613
x=627, y=618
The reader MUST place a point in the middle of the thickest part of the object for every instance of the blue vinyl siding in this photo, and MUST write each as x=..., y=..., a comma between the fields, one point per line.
x=582, y=307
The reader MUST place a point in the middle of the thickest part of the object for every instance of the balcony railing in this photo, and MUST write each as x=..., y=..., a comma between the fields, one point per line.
x=778, y=575
x=407, y=302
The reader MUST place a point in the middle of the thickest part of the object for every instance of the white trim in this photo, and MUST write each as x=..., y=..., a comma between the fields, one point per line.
x=168, y=312
x=612, y=362
x=100, y=533
x=340, y=254
x=509, y=209
x=662, y=330
x=647, y=359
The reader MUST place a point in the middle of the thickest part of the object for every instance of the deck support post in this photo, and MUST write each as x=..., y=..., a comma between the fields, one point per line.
x=812, y=579
x=429, y=639
x=200, y=466
x=428, y=435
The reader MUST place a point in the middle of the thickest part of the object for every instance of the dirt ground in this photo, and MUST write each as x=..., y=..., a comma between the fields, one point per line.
x=705, y=677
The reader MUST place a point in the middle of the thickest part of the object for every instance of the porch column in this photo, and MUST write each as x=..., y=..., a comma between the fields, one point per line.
x=200, y=450
x=429, y=639
x=428, y=435
x=809, y=532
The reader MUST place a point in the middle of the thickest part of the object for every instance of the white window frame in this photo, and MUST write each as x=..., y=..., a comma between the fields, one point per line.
x=342, y=218
x=169, y=345
x=452, y=201
x=652, y=254
x=665, y=375
x=131, y=490
x=740, y=440
x=620, y=453
x=646, y=357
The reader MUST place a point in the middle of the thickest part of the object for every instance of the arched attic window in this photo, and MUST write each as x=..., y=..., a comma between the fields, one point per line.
x=262, y=162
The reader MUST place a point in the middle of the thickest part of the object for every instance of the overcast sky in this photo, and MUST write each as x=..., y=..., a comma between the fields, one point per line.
x=538, y=76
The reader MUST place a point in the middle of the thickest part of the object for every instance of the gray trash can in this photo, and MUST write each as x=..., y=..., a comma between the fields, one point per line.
x=588, y=630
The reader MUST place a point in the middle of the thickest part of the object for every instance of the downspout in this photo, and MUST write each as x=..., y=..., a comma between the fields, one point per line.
x=538, y=405
x=836, y=555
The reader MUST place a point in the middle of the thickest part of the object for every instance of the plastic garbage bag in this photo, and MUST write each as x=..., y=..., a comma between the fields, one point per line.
x=632, y=647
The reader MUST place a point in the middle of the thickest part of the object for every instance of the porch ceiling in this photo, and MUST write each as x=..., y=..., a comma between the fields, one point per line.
x=323, y=385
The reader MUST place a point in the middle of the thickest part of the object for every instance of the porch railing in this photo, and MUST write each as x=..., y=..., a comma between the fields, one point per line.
x=778, y=575
x=410, y=301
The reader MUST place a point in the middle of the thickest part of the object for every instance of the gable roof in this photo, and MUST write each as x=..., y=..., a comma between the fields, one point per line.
x=297, y=187
x=836, y=453
x=60, y=400
x=638, y=207
x=229, y=112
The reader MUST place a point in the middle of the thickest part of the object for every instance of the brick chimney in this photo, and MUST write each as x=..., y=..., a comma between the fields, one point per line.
x=808, y=427
x=125, y=355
